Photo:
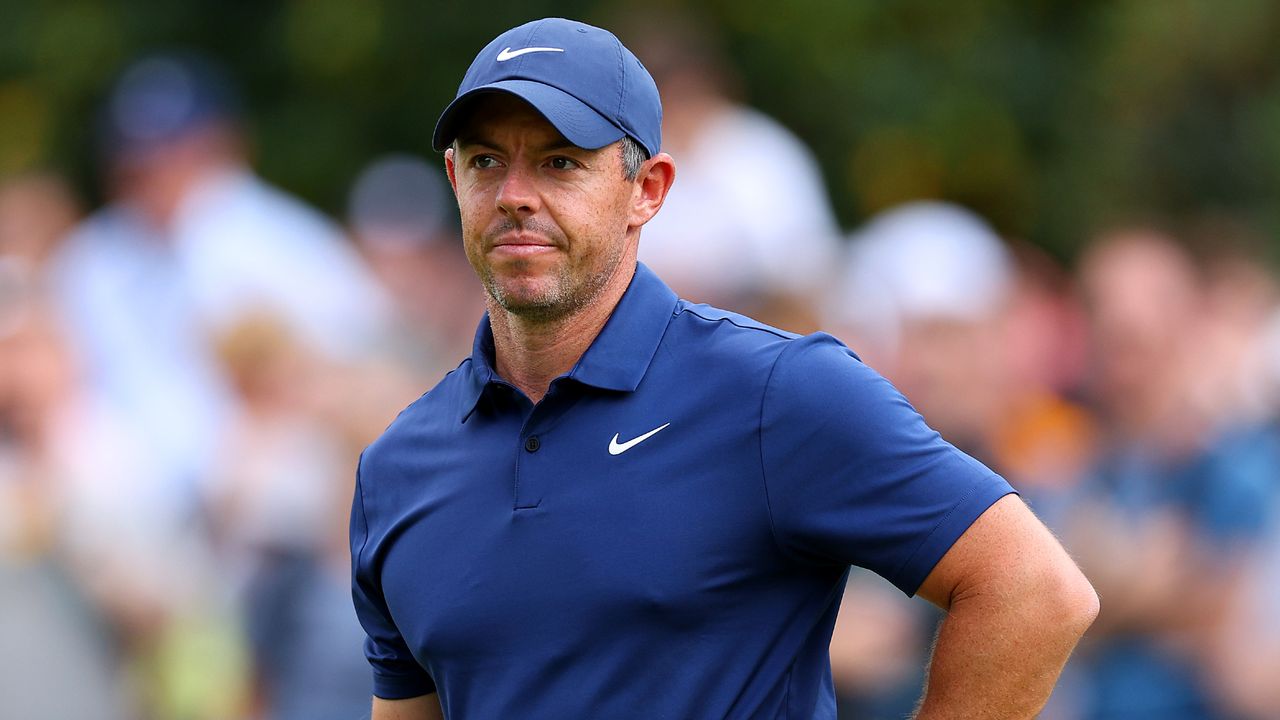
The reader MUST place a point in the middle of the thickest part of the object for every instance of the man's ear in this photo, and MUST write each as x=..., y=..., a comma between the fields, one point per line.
x=450, y=169
x=650, y=189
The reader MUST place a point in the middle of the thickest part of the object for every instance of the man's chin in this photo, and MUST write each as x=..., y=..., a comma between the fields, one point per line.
x=530, y=300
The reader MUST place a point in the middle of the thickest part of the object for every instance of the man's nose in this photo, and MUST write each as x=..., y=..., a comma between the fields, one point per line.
x=518, y=195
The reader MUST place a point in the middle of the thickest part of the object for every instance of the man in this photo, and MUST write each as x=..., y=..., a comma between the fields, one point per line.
x=192, y=250
x=625, y=505
x=192, y=245
x=1178, y=499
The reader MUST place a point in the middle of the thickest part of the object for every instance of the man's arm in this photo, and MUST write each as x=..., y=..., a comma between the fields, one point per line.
x=423, y=707
x=1016, y=606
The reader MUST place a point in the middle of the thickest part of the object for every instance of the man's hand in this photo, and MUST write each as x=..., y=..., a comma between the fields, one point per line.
x=1016, y=606
x=423, y=707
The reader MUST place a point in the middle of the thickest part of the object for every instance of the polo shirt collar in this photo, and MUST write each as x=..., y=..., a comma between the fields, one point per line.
x=616, y=360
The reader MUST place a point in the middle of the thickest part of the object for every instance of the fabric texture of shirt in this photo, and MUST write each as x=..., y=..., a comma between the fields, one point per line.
x=665, y=535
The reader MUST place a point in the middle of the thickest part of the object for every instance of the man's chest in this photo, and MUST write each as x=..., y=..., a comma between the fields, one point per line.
x=576, y=524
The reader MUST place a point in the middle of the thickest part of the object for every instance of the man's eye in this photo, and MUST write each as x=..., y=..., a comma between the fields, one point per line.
x=563, y=163
x=484, y=161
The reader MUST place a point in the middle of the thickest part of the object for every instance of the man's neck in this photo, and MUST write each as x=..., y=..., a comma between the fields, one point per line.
x=531, y=353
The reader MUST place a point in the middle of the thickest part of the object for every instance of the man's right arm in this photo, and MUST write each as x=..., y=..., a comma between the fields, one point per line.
x=423, y=707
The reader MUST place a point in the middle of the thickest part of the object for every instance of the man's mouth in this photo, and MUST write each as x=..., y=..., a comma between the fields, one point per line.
x=522, y=244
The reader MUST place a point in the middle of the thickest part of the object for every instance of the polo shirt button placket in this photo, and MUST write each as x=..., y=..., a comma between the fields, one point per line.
x=528, y=488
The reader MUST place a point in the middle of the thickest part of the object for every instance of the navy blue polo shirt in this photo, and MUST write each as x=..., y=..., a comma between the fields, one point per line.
x=665, y=535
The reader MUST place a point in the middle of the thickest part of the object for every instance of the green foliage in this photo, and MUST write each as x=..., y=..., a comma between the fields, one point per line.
x=1050, y=117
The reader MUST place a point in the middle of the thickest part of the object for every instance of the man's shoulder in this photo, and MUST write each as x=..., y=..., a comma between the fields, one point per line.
x=697, y=313
x=748, y=353
x=731, y=338
x=707, y=328
x=437, y=412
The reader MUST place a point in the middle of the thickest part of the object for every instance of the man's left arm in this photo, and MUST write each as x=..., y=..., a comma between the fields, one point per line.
x=1016, y=606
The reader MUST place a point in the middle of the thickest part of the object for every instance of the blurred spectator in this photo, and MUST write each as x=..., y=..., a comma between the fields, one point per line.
x=1234, y=385
x=279, y=498
x=401, y=213
x=924, y=290
x=1270, y=349
x=176, y=160
x=36, y=210
x=1042, y=440
x=280, y=478
x=1244, y=659
x=44, y=619
x=191, y=246
x=1236, y=391
x=192, y=242
x=1179, y=498
x=747, y=225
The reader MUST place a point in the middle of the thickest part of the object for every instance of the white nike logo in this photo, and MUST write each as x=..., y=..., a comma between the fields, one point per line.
x=616, y=448
x=508, y=53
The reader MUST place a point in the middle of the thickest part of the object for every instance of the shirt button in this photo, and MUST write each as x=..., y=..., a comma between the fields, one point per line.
x=532, y=444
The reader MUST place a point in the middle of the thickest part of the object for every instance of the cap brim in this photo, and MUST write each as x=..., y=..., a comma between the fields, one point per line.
x=578, y=122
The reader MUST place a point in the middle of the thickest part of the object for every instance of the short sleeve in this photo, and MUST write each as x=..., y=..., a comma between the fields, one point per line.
x=852, y=473
x=396, y=674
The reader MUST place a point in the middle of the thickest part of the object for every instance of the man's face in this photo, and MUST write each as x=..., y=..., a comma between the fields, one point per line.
x=544, y=223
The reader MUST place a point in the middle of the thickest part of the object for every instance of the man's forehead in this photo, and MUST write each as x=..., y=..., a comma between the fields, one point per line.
x=493, y=114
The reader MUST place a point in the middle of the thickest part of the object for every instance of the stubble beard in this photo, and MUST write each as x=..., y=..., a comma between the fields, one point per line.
x=569, y=291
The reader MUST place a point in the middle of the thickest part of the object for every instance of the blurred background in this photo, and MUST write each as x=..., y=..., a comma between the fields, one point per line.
x=228, y=257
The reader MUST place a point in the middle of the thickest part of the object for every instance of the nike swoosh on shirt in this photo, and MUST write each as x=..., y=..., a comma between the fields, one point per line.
x=508, y=53
x=616, y=448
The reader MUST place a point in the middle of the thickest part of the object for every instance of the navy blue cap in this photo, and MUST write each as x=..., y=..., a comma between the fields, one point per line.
x=581, y=78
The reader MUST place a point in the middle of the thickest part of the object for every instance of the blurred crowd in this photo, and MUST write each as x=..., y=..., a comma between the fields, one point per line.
x=189, y=373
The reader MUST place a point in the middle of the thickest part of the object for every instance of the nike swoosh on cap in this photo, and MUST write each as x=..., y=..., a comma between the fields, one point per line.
x=508, y=53
x=616, y=448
